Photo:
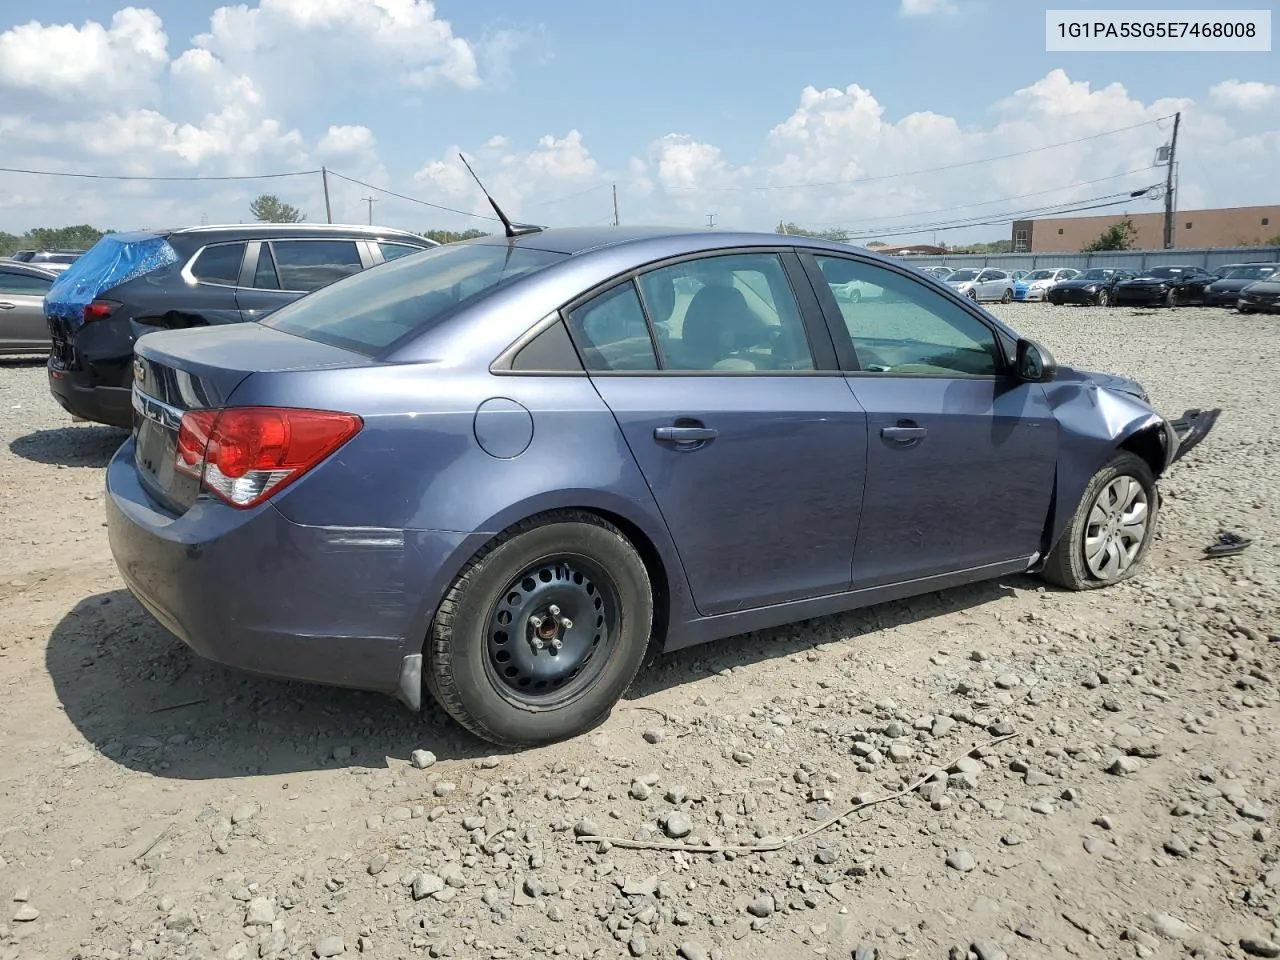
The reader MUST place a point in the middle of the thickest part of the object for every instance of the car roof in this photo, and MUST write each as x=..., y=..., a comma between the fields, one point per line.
x=579, y=240
x=248, y=231
x=18, y=266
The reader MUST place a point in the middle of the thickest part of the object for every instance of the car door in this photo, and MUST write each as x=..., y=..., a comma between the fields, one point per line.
x=991, y=284
x=280, y=270
x=961, y=454
x=724, y=383
x=22, y=323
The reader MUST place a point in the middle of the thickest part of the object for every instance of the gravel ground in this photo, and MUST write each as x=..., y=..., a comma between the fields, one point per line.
x=155, y=805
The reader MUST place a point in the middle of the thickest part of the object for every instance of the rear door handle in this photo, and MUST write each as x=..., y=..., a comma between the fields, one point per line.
x=684, y=434
x=904, y=435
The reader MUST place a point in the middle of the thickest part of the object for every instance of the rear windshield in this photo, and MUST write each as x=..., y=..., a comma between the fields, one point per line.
x=373, y=310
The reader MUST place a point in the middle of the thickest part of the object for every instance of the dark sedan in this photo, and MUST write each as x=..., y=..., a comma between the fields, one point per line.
x=1169, y=286
x=502, y=470
x=1092, y=288
x=1262, y=296
x=1226, y=291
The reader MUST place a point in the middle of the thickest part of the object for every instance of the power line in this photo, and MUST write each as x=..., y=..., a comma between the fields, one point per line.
x=112, y=176
x=987, y=203
x=1009, y=216
x=401, y=196
x=912, y=173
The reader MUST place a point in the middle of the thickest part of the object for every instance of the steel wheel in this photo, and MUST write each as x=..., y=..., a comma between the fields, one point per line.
x=1116, y=528
x=550, y=631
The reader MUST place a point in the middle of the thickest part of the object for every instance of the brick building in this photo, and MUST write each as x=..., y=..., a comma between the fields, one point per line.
x=1228, y=227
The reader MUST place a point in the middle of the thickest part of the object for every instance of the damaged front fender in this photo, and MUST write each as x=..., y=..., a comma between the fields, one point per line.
x=1095, y=421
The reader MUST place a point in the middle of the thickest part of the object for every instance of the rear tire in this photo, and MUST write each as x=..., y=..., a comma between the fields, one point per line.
x=495, y=671
x=1113, y=526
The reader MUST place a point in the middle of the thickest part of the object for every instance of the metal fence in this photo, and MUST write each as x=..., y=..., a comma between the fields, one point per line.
x=1208, y=257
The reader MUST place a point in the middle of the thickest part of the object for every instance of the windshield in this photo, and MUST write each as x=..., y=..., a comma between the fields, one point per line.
x=1259, y=272
x=1095, y=275
x=961, y=275
x=1166, y=271
x=370, y=311
x=1038, y=275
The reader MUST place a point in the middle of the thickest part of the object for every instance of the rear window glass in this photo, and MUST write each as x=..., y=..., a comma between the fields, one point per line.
x=219, y=263
x=370, y=312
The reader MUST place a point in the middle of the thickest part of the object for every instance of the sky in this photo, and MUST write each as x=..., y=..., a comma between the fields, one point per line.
x=832, y=115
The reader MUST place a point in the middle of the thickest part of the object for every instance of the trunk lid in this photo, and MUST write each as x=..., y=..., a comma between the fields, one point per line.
x=199, y=369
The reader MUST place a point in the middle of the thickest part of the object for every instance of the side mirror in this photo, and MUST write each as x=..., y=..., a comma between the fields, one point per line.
x=1034, y=363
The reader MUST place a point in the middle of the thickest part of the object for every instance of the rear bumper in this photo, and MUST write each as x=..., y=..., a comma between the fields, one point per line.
x=90, y=401
x=255, y=591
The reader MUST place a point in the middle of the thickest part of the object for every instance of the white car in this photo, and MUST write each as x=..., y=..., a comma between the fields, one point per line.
x=987, y=284
x=1036, y=284
x=855, y=291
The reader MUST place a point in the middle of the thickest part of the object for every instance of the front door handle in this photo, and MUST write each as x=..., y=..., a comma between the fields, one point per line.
x=5, y=305
x=904, y=435
x=685, y=434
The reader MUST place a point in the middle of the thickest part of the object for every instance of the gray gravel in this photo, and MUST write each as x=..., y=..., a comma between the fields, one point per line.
x=156, y=805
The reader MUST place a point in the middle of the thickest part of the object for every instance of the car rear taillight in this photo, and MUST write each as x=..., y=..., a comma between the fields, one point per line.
x=99, y=310
x=246, y=454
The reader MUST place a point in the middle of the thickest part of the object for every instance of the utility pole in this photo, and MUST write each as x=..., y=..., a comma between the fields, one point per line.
x=711, y=220
x=328, y=212
x=371, y=201
x=1168, y=184
x=615, y=204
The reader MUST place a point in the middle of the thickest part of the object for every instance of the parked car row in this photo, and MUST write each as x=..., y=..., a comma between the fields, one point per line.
x=55, y=260
x=1250, y=287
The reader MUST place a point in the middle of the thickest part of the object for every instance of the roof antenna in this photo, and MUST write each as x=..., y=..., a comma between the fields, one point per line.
x=512, y=229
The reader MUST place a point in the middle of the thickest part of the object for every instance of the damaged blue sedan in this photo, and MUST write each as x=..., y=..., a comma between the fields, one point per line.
x=501, y=471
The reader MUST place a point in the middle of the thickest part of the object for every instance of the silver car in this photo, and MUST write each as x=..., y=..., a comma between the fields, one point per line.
x=22, y=325
x=986, y=284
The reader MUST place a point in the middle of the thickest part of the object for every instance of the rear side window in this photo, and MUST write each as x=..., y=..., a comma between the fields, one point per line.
x=311, y=264
x=383, y=307
x=393, y=251
x=23, y=283
x=611, y=331
x=264, y=275
x=219, y=263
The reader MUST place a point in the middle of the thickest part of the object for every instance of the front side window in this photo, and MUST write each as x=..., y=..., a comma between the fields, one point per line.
x=912, y=329
x=611, y=333
x=21, y=284
x=734, y=312
x=311, y=264
x=219, y=263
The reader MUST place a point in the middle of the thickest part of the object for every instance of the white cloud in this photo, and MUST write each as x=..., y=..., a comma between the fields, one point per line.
x=92, y=62
x=926, y=8
x=347, y=140
x=1247, y=95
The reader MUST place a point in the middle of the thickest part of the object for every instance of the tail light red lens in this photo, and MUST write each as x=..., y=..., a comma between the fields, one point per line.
x=99, y=310
x=247, y=454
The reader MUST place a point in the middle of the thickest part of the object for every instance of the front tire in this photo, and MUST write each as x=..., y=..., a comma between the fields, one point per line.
x=1111, y=530
x=1007, y=296
x=543, y=631
x=1104, y=298
x=972, y=295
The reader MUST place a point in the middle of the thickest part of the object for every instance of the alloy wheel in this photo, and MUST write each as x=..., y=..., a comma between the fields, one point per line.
x=1116, y=529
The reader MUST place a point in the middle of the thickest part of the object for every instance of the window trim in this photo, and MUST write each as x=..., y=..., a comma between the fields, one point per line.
x=848, y=356
x=187, y=272
x=504, y=363
x=826, y=363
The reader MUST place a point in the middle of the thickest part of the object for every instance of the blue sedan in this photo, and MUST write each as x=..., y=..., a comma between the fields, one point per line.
x=502, y=470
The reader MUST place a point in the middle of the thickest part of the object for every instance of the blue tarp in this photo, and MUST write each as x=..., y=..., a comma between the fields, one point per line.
x=115, y=258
